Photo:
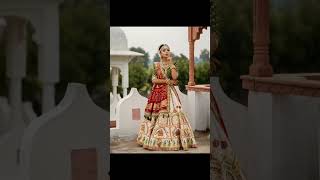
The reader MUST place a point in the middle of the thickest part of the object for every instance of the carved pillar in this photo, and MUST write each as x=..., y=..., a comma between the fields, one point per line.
x=115, y=81
x=260, y=129
x=16, y=51
x=191, y=63
x=193, y=35
x=125, y=79
x=47, y=38
x=261, y=66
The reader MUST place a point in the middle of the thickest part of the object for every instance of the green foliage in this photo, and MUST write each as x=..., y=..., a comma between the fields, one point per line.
x=139, y=78
x=235, y=44
x=139, y=72
x=182, y=64
x=204, y=55
x=156, y=58
x=295, y=38
x=83, y=45
x=294, y=35
x=202, y=70
x=144, y=59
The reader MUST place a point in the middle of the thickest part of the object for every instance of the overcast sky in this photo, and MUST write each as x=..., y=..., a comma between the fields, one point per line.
x=149, y=38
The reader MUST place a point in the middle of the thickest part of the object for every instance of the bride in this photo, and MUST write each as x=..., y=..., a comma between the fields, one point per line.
x=165, y=126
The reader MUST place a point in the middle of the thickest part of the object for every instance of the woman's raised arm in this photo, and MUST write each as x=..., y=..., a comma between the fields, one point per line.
x=159, y=81
x=174, y=72
x=164, y=81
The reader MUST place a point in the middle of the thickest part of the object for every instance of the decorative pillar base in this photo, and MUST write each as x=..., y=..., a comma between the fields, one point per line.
x=191, y=83
x=260, y=70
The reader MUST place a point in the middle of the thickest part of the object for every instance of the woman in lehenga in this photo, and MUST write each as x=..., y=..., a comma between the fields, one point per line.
x=224, y=164
x=165, y=126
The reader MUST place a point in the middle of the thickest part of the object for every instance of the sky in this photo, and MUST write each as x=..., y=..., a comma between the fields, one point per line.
x=149, y=38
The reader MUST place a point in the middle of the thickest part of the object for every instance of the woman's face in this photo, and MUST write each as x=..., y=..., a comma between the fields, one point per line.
x=165, y=52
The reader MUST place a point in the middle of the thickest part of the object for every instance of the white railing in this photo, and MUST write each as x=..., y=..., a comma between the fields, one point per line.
x=282, y=137
x=129, y=114
x=75, y=124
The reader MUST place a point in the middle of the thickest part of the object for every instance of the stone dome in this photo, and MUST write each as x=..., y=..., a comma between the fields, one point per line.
x=118, y=39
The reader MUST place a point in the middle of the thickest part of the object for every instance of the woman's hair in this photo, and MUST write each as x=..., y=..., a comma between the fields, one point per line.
x=161, y=46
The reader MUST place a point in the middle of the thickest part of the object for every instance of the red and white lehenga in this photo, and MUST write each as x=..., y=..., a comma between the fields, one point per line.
x=165, y=125
x=224, y=164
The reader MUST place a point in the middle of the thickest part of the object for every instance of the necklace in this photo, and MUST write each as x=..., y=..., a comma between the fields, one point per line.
x=165, y=69
x=165, y=66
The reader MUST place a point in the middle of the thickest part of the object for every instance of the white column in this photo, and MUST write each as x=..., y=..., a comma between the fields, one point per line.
x=16, y=66
x=48, y=48
x=115, y=81
x=125, y=79
x=192, y=108
x=260, y=136
x=202, y=104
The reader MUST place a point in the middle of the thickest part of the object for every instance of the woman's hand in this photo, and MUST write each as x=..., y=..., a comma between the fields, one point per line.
x=173, y=70
x=174, y=73
x=169, y=59
x=172, y=82
x=165, y=81
x=169, y=82
x=159, y=81
x=175, y=82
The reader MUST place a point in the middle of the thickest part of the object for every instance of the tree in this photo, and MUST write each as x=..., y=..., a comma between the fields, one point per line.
x=295, y=37
x=138, y=77
x=143, y=59
x=294, y=40
x=204, y=55
x=235, y=44
x=156, y=58
x=202, y=72
x=83, y=44
x=182, y=65
x=140, y=72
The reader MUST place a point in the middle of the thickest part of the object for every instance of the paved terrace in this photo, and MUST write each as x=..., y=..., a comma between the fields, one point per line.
x=130, y=146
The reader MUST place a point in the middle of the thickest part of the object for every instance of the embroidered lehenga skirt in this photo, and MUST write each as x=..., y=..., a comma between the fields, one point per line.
x=224, y=164
x=165, y=126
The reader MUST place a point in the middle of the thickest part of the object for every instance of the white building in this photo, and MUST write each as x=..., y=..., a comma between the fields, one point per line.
x=64, y=136
x=120, y=56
